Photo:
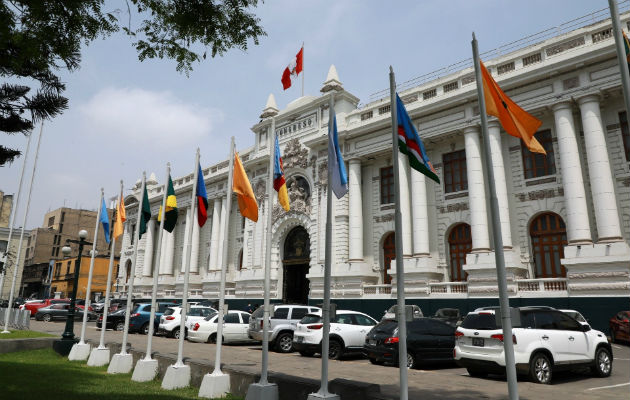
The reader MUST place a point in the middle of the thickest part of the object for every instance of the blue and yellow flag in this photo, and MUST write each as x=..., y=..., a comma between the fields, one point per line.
x=279, y=183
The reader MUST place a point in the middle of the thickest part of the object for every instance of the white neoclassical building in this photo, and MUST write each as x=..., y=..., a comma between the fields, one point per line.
x=565, y=217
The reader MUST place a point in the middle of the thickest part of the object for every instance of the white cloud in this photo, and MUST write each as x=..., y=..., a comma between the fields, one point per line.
x=156, y=119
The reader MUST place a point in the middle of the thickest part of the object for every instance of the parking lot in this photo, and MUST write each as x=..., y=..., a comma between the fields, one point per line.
x=437, y=382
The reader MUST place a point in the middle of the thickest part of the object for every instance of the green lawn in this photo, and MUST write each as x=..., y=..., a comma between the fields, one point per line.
x=43, y=374
x=17, y=334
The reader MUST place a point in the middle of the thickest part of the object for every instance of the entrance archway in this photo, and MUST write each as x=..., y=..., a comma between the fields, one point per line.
x=297, y=257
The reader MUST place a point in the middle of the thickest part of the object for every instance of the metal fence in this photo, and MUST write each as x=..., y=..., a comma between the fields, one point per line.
x=18, y=319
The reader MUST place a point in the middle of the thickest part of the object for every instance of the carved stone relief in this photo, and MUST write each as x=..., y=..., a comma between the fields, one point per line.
x=295, y=155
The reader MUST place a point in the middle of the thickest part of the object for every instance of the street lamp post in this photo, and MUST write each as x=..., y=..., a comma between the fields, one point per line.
x=64, y=345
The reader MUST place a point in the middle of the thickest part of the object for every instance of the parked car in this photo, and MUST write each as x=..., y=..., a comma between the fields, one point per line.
x=546, y=340
x=98, y=306
x=169, y=322
x=115, y=321
x=391, y=314
x=282, y=324
x=576, y=316
x=140, y=315
x=347, y=333
x=620, y=327
x=428, y=341
x=17, y=304
x=451, y=316
x=235, y=325
x=36, y=305
x=60, y=311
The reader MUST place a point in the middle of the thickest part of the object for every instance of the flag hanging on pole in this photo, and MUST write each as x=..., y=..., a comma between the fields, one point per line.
x=146, y=213
x=516, y=121
x=626, y=46
x=293, y=69
x=279, y=183
x=170, y=217
x=339, y=181
x=121, y=216
x=409, y=143
x=247, y=203
x=202, y=198
x=105, y=220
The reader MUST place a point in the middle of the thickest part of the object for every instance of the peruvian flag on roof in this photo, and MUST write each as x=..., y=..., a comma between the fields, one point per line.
x=293, y=69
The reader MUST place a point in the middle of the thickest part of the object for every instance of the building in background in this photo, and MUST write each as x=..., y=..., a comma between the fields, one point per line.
x=44, y=246
x=62, y=280
x=6, y=205
x=7, y=258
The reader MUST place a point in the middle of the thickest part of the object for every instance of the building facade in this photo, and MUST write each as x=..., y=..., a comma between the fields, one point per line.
x=62, y=281
x=565, y=217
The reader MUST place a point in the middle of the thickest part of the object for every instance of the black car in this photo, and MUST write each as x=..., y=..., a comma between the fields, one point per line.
x=428, y=341
x=451, y=316
x=115, y=320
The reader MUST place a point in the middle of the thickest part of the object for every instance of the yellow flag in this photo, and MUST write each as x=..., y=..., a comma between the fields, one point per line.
x=246, y=200
x=121, y=216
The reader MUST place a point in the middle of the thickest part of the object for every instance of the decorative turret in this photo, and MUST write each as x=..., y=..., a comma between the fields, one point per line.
x=152, y=181
x=271, y=109
x=332, y=81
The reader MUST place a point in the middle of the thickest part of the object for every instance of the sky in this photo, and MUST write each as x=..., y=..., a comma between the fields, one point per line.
x=127, y=116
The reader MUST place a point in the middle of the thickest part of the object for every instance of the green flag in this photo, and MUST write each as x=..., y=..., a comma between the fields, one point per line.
x=146, y=213
x=171, y=208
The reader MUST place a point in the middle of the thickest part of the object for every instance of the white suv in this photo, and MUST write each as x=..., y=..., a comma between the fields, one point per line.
x=169, y=321
x=546, y=340
x=347, y=333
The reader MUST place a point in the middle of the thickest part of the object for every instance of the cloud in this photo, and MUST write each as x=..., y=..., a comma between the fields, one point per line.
x=159, y=120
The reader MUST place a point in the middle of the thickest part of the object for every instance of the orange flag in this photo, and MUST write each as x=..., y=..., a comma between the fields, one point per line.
x=246, y=200
x=121, y=216
x=516, y=121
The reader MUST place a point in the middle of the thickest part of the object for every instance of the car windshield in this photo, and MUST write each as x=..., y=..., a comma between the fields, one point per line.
x=258, y=313
x=481, y=321
x=575, y=315
x=169, y=311
x=209, y=317
x=447, y=313
x=310, y=319
x=386, y=326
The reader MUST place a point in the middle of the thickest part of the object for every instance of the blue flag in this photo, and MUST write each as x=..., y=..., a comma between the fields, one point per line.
x=339, y=181
x=105, y=221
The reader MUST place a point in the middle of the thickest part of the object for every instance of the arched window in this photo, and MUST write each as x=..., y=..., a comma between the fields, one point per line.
x=128, y=268
x=389, y=253
x=549, y=236
x=459, y=244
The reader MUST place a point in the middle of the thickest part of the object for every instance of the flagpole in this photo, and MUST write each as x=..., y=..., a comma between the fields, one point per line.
x=17, y=257
x=13, y=215
x=400, y=273
x=91, y=271
x=621, y=57
x=217, y=361
x=504, y=303
x=302, y=69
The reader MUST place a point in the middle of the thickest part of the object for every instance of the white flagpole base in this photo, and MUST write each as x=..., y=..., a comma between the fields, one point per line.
x=98, y=357
x=177, y=376
x=320, y=396
x=79, y=352
x=262, y=391
x=145, y=371
x=120, y=364
x=216, y=384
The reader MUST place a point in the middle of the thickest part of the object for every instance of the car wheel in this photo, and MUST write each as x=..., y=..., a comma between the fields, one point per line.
x=305, y=353
x=46, y=317
x=120, y=326
x=175, y=333
x=284, y=343
x=476, y=373
x=145, y=328
x=411, y=361
x=540, y=369
x=375, y=361
x=212, y=338
x=335, y=350
x=603, y=363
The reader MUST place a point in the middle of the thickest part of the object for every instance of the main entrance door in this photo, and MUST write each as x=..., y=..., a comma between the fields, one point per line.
x=296, y=262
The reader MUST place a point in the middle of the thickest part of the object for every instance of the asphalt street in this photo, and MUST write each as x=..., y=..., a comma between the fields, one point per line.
x=438, y=382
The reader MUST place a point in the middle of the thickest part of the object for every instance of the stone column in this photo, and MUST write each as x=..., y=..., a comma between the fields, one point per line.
x=578, y=227
x=405, y=206
x=476, y=191
x=355, y=220
x=602, y=185
x=214, y=238
x=186, y=241
x=224, y=220
x=420, y=214
x=168, y=248
x=148, y=249
x=494, y=134
x=194, y=253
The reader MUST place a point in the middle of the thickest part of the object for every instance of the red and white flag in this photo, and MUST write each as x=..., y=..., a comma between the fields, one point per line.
x=293, y=69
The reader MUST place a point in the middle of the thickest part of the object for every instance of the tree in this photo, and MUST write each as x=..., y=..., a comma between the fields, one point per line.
x=40, y=38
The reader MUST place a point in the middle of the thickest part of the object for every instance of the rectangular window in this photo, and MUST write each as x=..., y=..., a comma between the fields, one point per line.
x=535, y=164
x=625, y=133
x=387, y=185
x=51, y=221
x=3, y=246
x=52, y=252
x=455, y=172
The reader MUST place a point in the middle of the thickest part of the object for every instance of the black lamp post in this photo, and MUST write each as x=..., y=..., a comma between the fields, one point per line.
x=64, y=345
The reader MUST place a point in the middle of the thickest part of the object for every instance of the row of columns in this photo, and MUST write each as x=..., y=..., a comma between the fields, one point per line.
x=578, y=227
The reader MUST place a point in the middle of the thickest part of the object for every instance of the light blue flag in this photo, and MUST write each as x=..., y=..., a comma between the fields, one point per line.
x=105, y=221
x=339, y=180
